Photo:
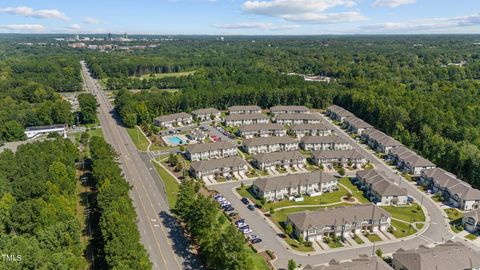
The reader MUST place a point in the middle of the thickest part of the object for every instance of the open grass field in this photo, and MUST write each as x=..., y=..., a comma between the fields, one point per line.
x=356, y=192
x=171, y=185
x=411, y=213
x=402, y=229
x=138, y=139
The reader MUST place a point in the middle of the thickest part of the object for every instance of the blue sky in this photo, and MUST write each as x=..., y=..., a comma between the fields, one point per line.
x=258, y=17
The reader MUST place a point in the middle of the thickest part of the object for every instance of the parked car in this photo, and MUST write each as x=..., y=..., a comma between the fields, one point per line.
x=228, y=208
x=241, y=225
x=233, y=215
x=245, y=201
x=256, y=241
x=251, y=207
x=251, y=237
x=240, y=221
x=246, y=230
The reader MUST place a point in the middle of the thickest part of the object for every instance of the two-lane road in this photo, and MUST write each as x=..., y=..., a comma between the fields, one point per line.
x=160, y=234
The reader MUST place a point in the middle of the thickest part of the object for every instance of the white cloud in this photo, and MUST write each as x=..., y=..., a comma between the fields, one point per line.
x=91, y=21
x=23, y=27
x=40, y=13
x=392, y=3
x=258, y=25
x=440, y=24
x=75, y=27
x=310, y=11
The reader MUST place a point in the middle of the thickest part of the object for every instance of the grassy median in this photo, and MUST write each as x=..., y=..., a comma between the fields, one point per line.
x=171, y=185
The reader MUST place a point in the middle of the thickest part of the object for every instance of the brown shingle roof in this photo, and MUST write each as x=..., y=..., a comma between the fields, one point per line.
x=218, y=163
x=268, y=141
x=204, y=147
x=293, y=180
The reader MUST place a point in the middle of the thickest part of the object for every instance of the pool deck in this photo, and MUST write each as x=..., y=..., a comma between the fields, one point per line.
x=183, y=138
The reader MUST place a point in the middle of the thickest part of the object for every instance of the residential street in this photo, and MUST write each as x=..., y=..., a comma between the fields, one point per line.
x=162, y=238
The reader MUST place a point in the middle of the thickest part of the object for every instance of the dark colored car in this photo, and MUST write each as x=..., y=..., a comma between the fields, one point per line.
x=245, y=200
x=228, y=208
x=233, y=215
x=251, y=207
x=256, y=240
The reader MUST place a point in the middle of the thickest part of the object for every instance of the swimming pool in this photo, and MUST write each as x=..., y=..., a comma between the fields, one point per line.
x=174, y=140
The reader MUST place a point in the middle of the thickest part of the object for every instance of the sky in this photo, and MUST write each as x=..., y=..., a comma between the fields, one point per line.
x=240, y=17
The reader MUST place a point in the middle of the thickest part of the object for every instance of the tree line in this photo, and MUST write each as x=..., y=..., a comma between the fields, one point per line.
x=118, y=221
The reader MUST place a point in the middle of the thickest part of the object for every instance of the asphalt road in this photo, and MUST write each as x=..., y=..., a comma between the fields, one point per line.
x=437, y=229
x=160, y=234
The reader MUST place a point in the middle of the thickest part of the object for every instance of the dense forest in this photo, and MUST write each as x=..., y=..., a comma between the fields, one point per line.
x=30, y=81
x=38, y=219
x=423, y=90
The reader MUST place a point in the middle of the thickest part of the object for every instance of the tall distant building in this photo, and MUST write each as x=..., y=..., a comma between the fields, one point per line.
x=109, y=36
x=125, y=36
x=77, y=37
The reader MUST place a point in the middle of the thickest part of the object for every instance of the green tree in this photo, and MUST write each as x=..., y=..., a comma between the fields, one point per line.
x=185, y=198
x=12, y=131
x=289, y=229
x=292, y=265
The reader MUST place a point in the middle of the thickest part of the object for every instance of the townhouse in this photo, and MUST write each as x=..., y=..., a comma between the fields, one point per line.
x=356, y=125
x=197, y=135
x=237, y=120
x=471, y=221
x=269, y=144
x=345, y=158
x=454, y=191
x=338, y=113
x=362, y=263
x=298, y=118
x=244, y=109
x=381, y=190
x=408, y=161
x=314, y=143
x=176, y=119
x=214, y=168
x=447, y=256
x=205, y=151
x=285, y=187
x=266, y=161
x=289, y=109
x=206, y=114
x=340, y=221
x=379, y=141
x=261, y=130
x=301, y=130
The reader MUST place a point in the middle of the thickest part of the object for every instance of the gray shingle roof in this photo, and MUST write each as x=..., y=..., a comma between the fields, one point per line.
x=357, y=122
x=447, y=256
x=244, y=108
x=172, y=117
x=323, y=139
x=275, y=156
x=299, y=127
x=351, y=154
x=218, y=163
x=259, y=127
x=340, y=111
x=292, y=180
x=475, y=214
x=268, y=141
x=411, y=157
x=381, y=184
x=298, y=116
x=362, y=263
x=204, y=147
x=381, y=138
x=205, y=111
x=337, y=216
x=250, y=116
x=456, y=186
x=282, y=108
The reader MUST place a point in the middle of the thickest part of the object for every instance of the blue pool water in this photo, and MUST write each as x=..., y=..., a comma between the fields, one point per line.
x=175, y=140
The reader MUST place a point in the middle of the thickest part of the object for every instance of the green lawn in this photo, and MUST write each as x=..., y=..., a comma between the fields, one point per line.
x=297, y=246
x=471, y=237
x=407, y=176
x=358, y=194
x=358, y=240
x=326, y=198
x=456, y=228
x=171, y=185
x=453, y=215
x=138, y=138
x=257, y=259
x=419, y=225
x=333, y=244
x=374, y=238
x=402, y=229
x=410, y=213
x=95, y=132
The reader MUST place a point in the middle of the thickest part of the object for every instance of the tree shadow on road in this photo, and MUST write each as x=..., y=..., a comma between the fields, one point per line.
x=181, y=245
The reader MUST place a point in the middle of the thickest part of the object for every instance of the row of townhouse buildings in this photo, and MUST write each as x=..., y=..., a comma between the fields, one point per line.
x=471, y=221
x=331, y=142
x=338, y=113
x=297, y=118
x=379, y=141
x=269, y=144
x=206, y=114
x=445, y=256
x=214, y=168
x=380, y=189
x=171, y=120
x=286, y=159
x=408, y=161
x=261, y=130
x=285, y=187
x=206, y=151
x=453, y=190
x=238, y=120
x=341, y=221
x=281, y=109
x=270, y=129
x=343, y=158
x=244, y=109
x=356, y=125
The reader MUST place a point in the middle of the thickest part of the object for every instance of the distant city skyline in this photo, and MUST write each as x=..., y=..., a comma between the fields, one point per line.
x=238, y=17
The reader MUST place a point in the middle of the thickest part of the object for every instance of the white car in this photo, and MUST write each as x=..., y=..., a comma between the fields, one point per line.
x=241, y=225
x=246, y=230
